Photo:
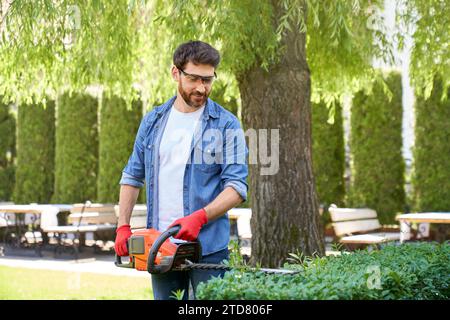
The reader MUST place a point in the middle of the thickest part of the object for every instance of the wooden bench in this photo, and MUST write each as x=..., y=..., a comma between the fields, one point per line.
x=359, y=226
x=138, y=216
x=96, y=213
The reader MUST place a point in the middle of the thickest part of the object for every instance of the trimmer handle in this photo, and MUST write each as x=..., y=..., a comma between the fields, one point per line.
x=151, y=267
x=119, y=263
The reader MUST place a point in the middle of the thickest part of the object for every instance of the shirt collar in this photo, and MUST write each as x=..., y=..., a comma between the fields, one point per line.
x=210, y=108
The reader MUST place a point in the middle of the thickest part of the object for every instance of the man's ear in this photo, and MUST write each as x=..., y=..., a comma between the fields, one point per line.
x=175, y=73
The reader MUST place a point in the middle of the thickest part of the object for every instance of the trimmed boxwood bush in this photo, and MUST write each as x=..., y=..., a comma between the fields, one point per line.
x=76, y=159
x=328, y=156
x=411, y=271
x=431, y=173
x=118, y=128
x=377, y=164
x=35, y=153
x=7, y=152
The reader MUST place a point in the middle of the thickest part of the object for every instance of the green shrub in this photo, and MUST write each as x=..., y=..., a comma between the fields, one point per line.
x=376, y=146
x=431, y=173
x=412, y=271
x=328, y=155
x=118, y=128
x=7, y=152
x=76, y=160
x=35, y=153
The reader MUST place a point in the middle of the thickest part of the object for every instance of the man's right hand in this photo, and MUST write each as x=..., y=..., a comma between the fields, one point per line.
x=122, y=235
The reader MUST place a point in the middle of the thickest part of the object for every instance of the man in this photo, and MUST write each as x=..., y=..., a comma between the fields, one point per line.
x=191, y=153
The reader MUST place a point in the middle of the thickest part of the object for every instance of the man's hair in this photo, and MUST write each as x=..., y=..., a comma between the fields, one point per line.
x=197, y=52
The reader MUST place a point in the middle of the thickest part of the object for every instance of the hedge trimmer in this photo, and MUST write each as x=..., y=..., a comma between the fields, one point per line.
x=150, y=250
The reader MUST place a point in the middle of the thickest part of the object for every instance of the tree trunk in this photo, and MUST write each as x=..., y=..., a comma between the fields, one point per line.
x=285, y=213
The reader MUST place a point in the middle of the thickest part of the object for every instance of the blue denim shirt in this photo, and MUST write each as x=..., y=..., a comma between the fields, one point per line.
x=218, y=159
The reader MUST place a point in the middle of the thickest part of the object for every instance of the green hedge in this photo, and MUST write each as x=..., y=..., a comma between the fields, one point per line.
x=328, y=155
x=76, y=158
x=431, y=173
x=118, y=128
x=376, y=148
x=412, y=271
x=7, y=152
x=35, y=153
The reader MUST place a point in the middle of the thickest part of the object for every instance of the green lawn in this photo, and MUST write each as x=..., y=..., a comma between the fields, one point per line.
x=29, y=284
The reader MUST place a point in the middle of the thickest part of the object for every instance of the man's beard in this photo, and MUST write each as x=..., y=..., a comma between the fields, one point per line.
x=193, y=99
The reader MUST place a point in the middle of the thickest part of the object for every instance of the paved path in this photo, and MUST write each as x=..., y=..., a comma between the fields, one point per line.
x=101, y=264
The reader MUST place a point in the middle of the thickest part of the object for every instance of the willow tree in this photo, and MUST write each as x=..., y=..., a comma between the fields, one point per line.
x=427, y=23
x=268, y=49
x=264, y=45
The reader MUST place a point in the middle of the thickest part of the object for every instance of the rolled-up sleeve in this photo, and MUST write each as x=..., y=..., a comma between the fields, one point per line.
x=234, y=166
x=134, y=172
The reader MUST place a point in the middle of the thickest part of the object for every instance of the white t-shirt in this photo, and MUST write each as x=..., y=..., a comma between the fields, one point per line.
x=174, y=152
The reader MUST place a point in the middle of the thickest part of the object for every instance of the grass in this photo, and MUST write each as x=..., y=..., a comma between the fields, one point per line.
x=32, y=284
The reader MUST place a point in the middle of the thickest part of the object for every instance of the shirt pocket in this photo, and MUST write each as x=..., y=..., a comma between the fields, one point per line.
x=207, y=158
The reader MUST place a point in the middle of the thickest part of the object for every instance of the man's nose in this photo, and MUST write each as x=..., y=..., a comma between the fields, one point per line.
x=201, y=88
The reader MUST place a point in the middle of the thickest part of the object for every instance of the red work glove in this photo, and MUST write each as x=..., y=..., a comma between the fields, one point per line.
x=122, y=235
x=190, y=225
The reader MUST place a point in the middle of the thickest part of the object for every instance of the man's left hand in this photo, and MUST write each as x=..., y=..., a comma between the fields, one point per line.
x=190, y=225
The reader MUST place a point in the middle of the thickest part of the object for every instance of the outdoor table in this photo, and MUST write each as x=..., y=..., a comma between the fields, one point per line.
x=46, y=212
x=424, y=217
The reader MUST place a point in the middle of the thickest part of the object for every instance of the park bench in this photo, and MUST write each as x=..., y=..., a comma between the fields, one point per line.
x=96, y=219
x=138, y=216
x=359, y=226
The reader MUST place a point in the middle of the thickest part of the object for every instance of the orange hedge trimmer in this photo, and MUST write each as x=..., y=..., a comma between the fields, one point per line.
x=150, y=250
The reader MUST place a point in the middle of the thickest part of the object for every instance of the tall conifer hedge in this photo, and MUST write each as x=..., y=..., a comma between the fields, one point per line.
x=328, y=156
x=376, y=147
x=431, y=173
x=76, y=161
x=35, y=153
x=7, y=152
x=118, y=128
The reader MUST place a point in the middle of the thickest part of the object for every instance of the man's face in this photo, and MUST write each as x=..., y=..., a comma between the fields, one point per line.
x=192, y=89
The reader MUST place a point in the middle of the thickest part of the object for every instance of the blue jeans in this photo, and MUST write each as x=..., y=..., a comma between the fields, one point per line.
x=166, y=284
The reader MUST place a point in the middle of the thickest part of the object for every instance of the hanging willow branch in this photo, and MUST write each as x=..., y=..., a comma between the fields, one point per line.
x=125, y=46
